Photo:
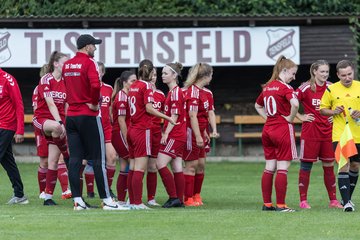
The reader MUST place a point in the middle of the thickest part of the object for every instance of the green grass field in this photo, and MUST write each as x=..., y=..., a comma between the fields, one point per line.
x=232, y=198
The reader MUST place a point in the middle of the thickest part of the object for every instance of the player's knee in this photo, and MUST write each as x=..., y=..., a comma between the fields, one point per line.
x=306, y=166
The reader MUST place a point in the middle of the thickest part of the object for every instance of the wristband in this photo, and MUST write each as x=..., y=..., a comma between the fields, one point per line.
x=61, y=122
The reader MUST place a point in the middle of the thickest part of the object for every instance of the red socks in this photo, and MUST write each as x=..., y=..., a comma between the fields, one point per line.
x=51, y=177
x=62, y=175
x=304, y=180
x=199, y=178
x=168, y=181
x=281, y=186
x=121, y=186
x=151, y=182
x=330, y=182
x=189, y=186
x=110, y=172
x=89, y=180
x=180, y=185
x=130, y=187
x=137, y=186
x=266, y=185
x=42, y=178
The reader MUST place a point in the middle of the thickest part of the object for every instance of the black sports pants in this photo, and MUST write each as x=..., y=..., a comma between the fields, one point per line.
x=8, y=162
x=86, y=141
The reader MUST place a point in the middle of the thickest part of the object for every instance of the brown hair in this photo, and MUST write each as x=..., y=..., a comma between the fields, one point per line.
x=145, y=70
x=43, y=70
x=119, y=82
x=55, y=57
x=344, y=64
x=197, y=72
x=101, y=64
x=281, y=63
x=315, y=66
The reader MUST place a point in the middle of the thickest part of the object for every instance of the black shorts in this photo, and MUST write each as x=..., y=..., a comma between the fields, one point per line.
x=355, y=158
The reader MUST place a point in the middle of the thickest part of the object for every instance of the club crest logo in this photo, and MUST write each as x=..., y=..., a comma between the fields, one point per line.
x=280, y=43
x=5, y=53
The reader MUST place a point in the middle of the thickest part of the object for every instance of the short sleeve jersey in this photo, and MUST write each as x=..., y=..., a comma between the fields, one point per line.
x=338, y=95
x=197, y=101
x=320, y=128
x=210, y=98
x=49, y=87
x=275, y=98
x=159, y=98
x=120, y=107
x=140, y=94
x=175, y=105
x=105, y=93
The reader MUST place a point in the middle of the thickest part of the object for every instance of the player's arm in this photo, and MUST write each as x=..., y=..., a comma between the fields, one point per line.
x=123, y=127
x=293, y=111
x=168, y=129
x=151, y=110
x=212, y=121
x=260, y=110
x=195, y=127
x=16, y=98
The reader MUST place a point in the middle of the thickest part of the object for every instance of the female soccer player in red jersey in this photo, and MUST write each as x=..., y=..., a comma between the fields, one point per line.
x=174, y=138
x=49, y=118
x=278, y=104
x=156, y=131
x=121, y=121
x=139, y=133
x=316, y=133
x=197, y=106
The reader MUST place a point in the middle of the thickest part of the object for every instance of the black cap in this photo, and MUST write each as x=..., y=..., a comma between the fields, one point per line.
x=86, y=39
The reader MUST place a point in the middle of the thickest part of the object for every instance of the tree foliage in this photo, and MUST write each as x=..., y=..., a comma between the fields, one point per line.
x=13, y=8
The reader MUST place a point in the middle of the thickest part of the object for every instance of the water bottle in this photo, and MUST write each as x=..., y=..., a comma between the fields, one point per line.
x=357, y=120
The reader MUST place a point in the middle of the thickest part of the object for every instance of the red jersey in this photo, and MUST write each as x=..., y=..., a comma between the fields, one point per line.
x=105, y=92
x=34, y=97
x=11, y=104
x=120, y=107
x=210, y=98
x=175, y=104
x=197, y=101
x=140, y=94
x=159, y=99
x=275, y=98
x=320, y=129
x=82, y=83
x=49, y=87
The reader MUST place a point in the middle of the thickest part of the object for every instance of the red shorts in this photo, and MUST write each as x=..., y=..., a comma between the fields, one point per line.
x=207, y=143
x=39, y=124
x=121, y=147
x=192, y=151
x=279, y=142
x=139, y=141
x=173, y=148
x=155, y=142
x=310, y=151
x=41, y=144
x=107, y=133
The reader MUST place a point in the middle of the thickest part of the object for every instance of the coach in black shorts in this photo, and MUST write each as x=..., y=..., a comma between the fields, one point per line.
x=83, y=124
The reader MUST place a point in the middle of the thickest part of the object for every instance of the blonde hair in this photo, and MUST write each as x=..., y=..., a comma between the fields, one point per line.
x=281, y=63
x=315, y=66
x=176, y=68
x=55, y=57
x=43, y=70
x=197, y=72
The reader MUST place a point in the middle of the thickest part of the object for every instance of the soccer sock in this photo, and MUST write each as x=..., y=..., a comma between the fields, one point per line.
x=51, y=177
x=121, y=186
x=266, y=186
x=81, y=178
x=330, y=182
x=189, y=186
x=353, y=176
x=137, y=185
x=62, y=175
x=151, y=182
x=199, y=178
x=280, y=186
x=344, y=186
x=62, y=145
x=89, y=180
x=42, y=178
x=304, y=180
x=180, y=185
x=168, y=181
x=110, y=172
x=129, y=186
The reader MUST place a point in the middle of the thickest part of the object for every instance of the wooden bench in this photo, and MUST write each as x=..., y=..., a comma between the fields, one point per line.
x=242, y=120
x=28, y=121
